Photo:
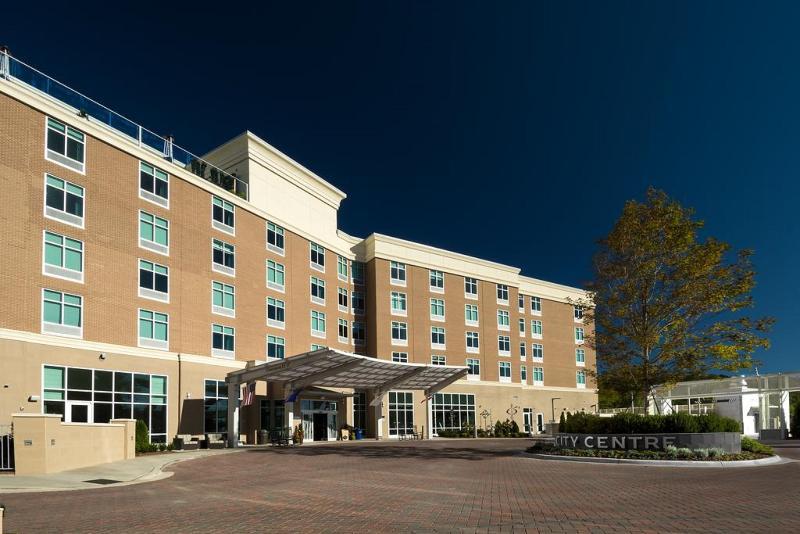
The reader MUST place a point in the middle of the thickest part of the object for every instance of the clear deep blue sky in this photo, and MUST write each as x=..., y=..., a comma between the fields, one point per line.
x=513, y=133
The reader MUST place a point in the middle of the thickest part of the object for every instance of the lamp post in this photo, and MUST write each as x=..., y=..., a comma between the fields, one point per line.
x=553, y=408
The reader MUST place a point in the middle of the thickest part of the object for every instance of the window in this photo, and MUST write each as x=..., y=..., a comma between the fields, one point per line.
x=276, y=313
x=580, y=357
x=538, y=376
x=359, y=333
x=437, y=309
x=222, y=257
x=473, y=369
x=276, y=276
x=223, y=299
x=471, y=314
x=452, y=411
x=581, y=379
x=317, y=290
x=398, y=301
x=536, y=329
x=215, y=403
x=276, y=347
x=505, y=372
x=523, y=374
x=222, y=215
x=153, y=184
x=63, y=257
x=397, y=273
x=470, y=288
x=110, y=394
x=317, y=257
x=436, y=281
x=438, y=360
x=63, y=201
x=473, y=342
x=522, y=351
x=399, y=333
x=437, y=337
x=536, y=306
x=317, y=346
x=153, y=233
x=502, y=294
x=341, y=269
x=502, y=320
x=504, y=345
x=521, y=303
x=579, y=335
x=401, y=413
x=153, y=281
x=343, y=300
x=222, y=341
x=62, y=313
x=343, y=328
x=358, y=302
x=317, y=323
x=153, y=330
x=578, y=313
x=537, y=352
x=359, y=409
x=358, y=272
x=275, y=241
x=522, y=327
x=401, y=357
x=65, y=145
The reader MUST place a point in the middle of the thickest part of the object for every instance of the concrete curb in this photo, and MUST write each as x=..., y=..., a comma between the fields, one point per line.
x=772, y=460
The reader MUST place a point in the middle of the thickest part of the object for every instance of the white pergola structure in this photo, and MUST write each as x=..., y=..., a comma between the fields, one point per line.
x=333, y=368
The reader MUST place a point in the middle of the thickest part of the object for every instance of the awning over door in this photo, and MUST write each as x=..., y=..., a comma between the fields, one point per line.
x=338, y=369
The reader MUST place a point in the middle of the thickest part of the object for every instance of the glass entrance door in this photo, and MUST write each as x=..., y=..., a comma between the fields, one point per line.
x=527, y=420
x=78, y=412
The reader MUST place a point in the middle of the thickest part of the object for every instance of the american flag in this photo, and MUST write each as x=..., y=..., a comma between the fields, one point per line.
x=248, y=394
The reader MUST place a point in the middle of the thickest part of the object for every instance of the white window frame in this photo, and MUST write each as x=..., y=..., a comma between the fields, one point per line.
x=60, y=329
x=320, y=251
x=147, y=195
x=438, y=318
x=578, y=375
x=278, y=231
x=523, y=351
x=279, y=267
x=61, y=215
x=521, y=327
x=580, y=362
x=401, y=357
x=360, y=326
x=439, y=346
x=62, y=159
x=63, y=273
x=477, y=337
x=507, y=326
x=471, y=322
x=500, y=367
x=498, y=290
x=221, y=268
x=147, y=293
x=534, y=357
x=340, y=260
x=321, y=316
x=523, y=374
x=435, y=276
x=339, y=292
x=506, y=340
x=579, y=340
x=402, y=327
x=222, y=310
x=275, y=323
x=223, y=353
x=146, y=244
x=438, y=359
x=477, y=363
x=281, y=344
x=521, y=302
x=468, y=280
x=577, y=314
x=358, y=297
x=346, y=338
x=399, y=267
x=150, y=343
x=534, y=334
x=219, y=225
x=537, y=302
x=538, y=371
x=401, y=297
x=320, y=283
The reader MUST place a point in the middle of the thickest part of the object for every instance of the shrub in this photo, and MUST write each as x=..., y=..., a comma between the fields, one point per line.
x=671, y=452
x=701, y=453
x=751, y=445
x=716, y=452
x=142, y=437
x=628, y=423
x=685, y=453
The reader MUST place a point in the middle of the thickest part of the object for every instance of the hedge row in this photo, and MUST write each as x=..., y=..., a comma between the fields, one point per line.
x=627, y=423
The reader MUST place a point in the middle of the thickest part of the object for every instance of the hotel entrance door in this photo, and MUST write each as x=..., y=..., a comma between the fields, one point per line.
x=320, y=427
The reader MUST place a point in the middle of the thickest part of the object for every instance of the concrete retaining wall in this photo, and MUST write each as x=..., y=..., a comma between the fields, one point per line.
x=730, y=442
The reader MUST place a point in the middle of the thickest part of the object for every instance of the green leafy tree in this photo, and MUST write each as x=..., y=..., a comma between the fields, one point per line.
x=667, y=306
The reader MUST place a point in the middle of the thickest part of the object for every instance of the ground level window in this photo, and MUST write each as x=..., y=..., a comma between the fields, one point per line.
x=216, y=406
x=97, y=396
x=401, y=413
x=272, y=412
x=360, y=410
x=453, y=411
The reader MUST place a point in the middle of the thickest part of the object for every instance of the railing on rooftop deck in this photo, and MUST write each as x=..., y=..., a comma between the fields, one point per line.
x=13, y=69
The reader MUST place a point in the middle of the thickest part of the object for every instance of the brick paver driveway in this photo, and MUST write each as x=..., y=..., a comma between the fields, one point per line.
x=421, y=486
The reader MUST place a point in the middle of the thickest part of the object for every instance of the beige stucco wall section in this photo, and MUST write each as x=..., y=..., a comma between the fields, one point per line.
x=43, y=444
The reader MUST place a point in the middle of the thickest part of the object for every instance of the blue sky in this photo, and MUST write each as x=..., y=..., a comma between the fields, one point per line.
x=514, y=132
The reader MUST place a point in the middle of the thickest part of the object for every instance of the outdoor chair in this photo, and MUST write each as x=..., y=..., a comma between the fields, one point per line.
x=279, y=438
x=185, y=442
x=214, y=441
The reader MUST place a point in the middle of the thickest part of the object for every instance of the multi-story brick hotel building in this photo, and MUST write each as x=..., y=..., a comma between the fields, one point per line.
x=137, y=276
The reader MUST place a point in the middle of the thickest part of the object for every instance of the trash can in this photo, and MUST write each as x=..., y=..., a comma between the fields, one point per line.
x=359, y=433
x=262, y=437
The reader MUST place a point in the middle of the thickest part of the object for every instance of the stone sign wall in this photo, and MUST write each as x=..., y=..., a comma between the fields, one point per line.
x=730, y=442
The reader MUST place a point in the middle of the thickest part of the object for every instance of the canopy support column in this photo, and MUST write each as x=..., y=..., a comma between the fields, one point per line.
x=288, y=411
x=233, y=414
x=377, y=405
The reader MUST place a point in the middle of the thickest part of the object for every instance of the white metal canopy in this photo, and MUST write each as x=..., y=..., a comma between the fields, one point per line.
x=338, y=369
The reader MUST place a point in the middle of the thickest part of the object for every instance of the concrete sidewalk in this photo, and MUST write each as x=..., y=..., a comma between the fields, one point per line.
x=145, y=468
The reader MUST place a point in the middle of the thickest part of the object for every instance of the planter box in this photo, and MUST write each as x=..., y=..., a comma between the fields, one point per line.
x=730, y=442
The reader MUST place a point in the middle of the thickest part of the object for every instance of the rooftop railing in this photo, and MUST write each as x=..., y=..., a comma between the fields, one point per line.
x=13, y=69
